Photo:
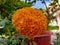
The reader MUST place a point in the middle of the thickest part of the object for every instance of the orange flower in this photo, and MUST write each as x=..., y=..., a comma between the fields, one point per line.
x=29, y=22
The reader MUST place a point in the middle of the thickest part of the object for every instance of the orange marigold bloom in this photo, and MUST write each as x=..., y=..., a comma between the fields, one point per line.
x=29, y=22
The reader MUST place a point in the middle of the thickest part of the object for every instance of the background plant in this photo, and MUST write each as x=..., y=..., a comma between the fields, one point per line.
x=7, y=8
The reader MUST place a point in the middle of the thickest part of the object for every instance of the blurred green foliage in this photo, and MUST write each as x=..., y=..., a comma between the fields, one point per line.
x=53, y=27
x=7, y=8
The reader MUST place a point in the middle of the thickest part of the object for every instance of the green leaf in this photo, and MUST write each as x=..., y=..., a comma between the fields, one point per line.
x=4, y=1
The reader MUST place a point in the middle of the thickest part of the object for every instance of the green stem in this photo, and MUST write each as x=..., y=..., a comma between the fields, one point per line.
x=23, y=42
x=8, y=31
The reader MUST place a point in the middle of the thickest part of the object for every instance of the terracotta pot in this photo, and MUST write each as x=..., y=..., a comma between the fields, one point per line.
x=44, y=39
